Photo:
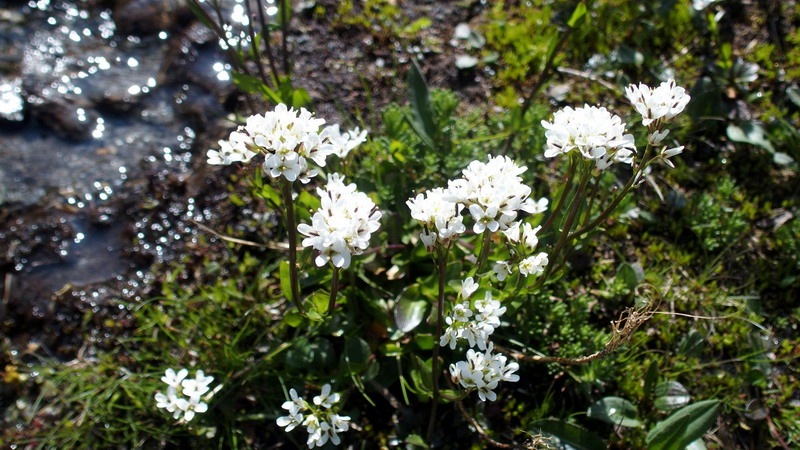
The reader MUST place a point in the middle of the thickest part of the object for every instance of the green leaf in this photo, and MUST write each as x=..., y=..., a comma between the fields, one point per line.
x=568, y=433
x=650, y=380
x=684, y=426
x=410, y=309
x=421, y=119
x=794, y=95
x=356, y=353
x=417, y=25
x=318, y=302
x=670, y=395
x=577, y=14
x=317, y=354
x=466, y=61
x=300, y=98
x=616, y=411
x=293, y=318
x=286, y=280
x=628, y=276
x=692, y=344
x=201, y=15
x=415, y=439
x=782, y=159
x=750, y=133
x=697, y=445
x=253, y=85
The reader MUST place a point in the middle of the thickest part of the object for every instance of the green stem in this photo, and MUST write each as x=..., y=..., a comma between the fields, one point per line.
x=484, y=255
x=334, y=290
x=265, y=37
x=292, y=230
x=616, y=201
x=441, y=265
x=285, y=5
x=565, y=235
x=563, y=199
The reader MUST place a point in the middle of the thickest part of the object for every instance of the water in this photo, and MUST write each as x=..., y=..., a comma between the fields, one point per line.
x=97, y=136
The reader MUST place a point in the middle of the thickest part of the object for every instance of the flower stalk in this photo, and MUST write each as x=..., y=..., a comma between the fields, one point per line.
x=334, y=289
x=441, y=266
x=288, y=202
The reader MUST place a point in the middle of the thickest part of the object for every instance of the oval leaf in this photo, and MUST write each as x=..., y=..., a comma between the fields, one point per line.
x=616, y=411
x=750, y=133
x=410, y=309
x=684, y=426
x=671, y=395
x=568, y=433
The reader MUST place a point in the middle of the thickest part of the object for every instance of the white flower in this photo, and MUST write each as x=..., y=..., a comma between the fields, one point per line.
x=658, y=105
x=468, y=287
x=525, y=234
x=287, y=139
x=538, y=206
x=322, y=424
x=483, y=372
x=235, y=149
x=294, y=406
x=493, y=193
x=533, y=265
x=473, y=324
x=594, y=132
x=326, y=399
x=189, y=402
x=440, y=217
x=666, y=154
x=342, y=143
x=656, y=137
x=173, y=379
x=343, y=224
x=501, y=270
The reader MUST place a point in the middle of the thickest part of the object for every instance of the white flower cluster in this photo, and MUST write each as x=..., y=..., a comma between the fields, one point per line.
x=659, y=104
x=493, y=192
x=594, y=132
x=322, y=424
x=342, y=143
x=287, y=139
x=657, y=107
x=343, y=224
x=473, y=323
x=190, y=400
x=523, y=233
x=525, y=237
x=483, y=372
x=440, y=217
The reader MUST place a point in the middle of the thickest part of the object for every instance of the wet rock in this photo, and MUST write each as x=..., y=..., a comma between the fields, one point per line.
x=63, y=116
x=199, y=108
x=146, y=17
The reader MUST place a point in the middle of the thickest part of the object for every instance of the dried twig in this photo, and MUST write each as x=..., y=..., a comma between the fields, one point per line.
x=480, y=429
x=588, y=76
x=271, y=245
x=621, y=331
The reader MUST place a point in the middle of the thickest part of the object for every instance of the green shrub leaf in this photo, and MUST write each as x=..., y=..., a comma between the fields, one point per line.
x=684, y=426
x=616, y=411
